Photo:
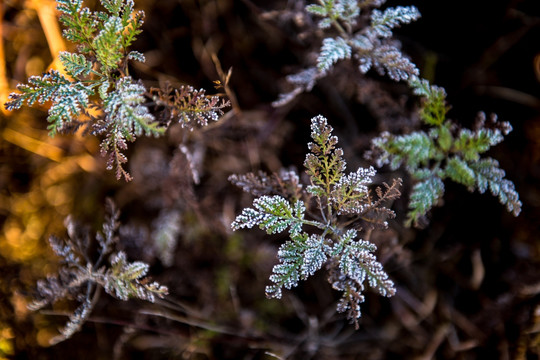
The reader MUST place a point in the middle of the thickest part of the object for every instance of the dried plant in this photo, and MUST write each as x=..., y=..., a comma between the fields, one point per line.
x=80, y=277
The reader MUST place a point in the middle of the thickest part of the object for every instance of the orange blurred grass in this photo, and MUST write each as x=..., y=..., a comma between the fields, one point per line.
x=48, y=17
x=4, y=87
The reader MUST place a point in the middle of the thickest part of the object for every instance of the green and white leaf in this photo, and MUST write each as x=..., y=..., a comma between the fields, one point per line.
x=424, y=196
x=489, y=175
x=332, y=51
x=75, y=64
x=273, y=214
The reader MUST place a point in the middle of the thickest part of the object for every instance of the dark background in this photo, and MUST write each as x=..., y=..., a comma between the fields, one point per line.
x=468, y=283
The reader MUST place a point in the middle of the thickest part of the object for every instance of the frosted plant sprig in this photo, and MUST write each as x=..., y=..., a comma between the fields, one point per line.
x=96, y=91
x=446, y=152
x=371, y=45
x=80, y=277
x=333, y=206
x=99, y=67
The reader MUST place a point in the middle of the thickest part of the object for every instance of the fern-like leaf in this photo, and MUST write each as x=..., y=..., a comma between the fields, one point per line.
x=68, y=99
x=273, y=214
x=332, y=51
x=325, y=164
x=382, y=23
x=351, y=192
x=288, y=272
x=79, y=22
x=79, y=277
x=489, y=175
x=125, y=118
x=108, y=44
x=299, y=258
x=424, y=196
x=75, y=65
x=124, y=280
x=349, y=261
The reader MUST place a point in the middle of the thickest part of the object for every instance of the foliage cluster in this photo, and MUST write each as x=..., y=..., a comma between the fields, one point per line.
x=340, y=205
x=446, y=152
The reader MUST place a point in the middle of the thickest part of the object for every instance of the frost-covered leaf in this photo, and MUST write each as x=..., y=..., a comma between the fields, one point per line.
x=460, y=172
x=414, y=149
x=108, y=43
x=472, y=143
x=390, y=60
x=325, y=164
x=75, y=322
x=382, y=23
x=315, y=255
x=79, y=22
x=190, y=107
x=124, y=280
x=126, y=117
x=75, y=64
x=332, y=51
x=287, y=272
x=424, y=196
x=299, y=258
x=80, y=276
x=489, y=175
x=68, y=98
x=137, y=56
x=350, y=194
x=356, y=263
x=273, y=214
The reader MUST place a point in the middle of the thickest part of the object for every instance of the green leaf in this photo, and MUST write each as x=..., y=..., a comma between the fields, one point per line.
x=79, y=22
x=414, y=149
x=317, y=9
x=273, y=214
x=123, y=280
x=108, y=44
x=113, y=6
x=460, y=172
x=424, y=196
x=434, y=107
x=132, y=27
x=472, y=144
x=325, y=164
x=489, y=175
x=444, y=137
x=126, y=117
x=287, y=272
x=332, y=51
x=68, y=98
x=75, y=64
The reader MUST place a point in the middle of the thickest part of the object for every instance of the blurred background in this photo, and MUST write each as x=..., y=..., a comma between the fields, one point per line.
x=468, y=283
